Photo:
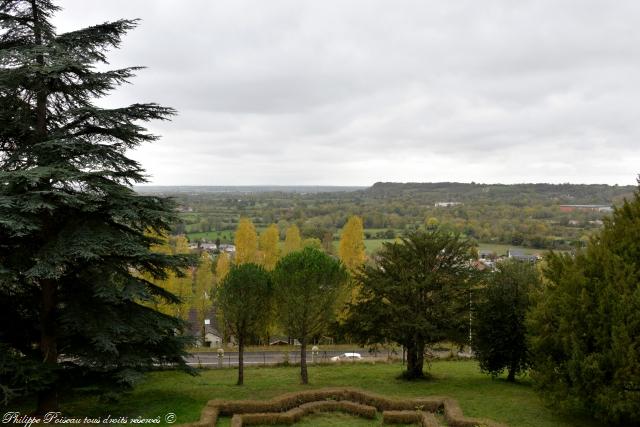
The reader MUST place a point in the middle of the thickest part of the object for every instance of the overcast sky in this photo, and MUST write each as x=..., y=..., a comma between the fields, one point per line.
x=353, y=92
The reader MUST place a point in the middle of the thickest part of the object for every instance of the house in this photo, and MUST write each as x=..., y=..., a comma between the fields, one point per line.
x=212, y=338
x=208, y=247
x=227, y=248
x=586, y=208
x=521, y=256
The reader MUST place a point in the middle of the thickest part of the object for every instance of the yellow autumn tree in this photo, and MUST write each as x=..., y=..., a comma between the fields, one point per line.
x=223, y=264
x=352, y=250
x=246, y=242
x=312, y=242
x=179, y=286
x=268, y=246
x=202, y=292
x=292, y=241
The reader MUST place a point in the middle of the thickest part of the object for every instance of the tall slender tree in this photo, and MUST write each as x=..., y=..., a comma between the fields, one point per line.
x=202, y=300
x=292, y=240
x=246, y=241
x=75, y=237
x=268, y=245
x=352, y=249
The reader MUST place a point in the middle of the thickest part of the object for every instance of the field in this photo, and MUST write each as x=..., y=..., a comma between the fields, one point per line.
x=514, y=404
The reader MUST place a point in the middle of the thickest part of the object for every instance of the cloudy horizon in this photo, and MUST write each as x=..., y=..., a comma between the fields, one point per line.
x=351, y=93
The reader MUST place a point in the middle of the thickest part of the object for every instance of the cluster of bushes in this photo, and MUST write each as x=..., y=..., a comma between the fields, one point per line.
x=574, y=324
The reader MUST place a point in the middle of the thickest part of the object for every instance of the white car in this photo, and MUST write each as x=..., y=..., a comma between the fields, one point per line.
x=346, y=357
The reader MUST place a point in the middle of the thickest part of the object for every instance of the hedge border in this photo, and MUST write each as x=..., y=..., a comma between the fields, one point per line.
x=298, y=404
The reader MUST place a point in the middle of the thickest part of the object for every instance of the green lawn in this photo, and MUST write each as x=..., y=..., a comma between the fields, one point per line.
x=501, y=249
x=479, y=395
x=224, y=235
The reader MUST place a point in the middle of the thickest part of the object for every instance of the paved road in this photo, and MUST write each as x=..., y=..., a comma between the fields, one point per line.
x=210, y=359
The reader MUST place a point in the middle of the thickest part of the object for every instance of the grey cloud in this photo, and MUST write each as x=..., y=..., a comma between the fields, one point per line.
x=352, y=92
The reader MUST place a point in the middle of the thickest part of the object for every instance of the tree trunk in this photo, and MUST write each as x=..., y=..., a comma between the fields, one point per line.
x=240, y=359
x=48, y=397
x=512, y=373
x=304, y=376
x=415, y=361
x=420, y=358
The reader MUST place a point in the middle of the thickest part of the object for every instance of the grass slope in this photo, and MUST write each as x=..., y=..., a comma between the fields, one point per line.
x=514, y=404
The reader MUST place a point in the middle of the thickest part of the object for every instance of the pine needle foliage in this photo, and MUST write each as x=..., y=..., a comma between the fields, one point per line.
x=75, y=307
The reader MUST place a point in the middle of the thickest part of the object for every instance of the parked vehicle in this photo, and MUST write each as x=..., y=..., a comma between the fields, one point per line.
x=346, y=357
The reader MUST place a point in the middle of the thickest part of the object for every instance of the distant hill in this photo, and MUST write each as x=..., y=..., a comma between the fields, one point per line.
x=504, y=193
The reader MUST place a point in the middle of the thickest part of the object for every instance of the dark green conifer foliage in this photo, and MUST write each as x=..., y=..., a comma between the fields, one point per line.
x=417, y=294
x=74, y=307
x=499, y=333
x=586, y=325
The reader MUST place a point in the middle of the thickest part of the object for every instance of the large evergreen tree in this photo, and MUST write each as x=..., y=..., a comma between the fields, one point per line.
x=585, y=329
x=416, y=294
x=74, y=237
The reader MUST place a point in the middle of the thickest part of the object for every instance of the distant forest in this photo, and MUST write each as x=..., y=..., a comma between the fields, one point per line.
x=520, y=214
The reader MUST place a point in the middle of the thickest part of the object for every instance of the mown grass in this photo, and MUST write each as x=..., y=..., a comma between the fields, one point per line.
x=480, y=396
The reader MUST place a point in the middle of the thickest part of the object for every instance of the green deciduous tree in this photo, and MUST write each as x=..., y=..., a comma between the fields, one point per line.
x=585, y=328
x=306, y=286
x=416, y=294
x=75, y=237
x=245, y=298
x=499, y=333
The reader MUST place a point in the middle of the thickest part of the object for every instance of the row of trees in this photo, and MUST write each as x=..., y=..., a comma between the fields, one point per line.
x=196, y=286
x=302, y=294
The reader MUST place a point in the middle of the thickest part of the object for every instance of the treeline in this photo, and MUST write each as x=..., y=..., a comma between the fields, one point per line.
x=522, y=215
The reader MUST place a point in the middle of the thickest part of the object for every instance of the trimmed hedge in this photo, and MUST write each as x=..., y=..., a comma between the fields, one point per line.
x=290, y=408
x=296, y=414
x=425, y=419
x=292, y=400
